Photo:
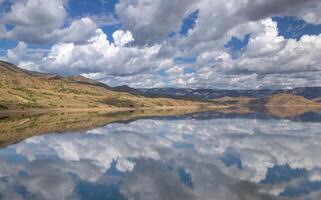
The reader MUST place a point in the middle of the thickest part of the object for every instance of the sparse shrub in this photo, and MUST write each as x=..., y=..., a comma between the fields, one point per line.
x=119, y=102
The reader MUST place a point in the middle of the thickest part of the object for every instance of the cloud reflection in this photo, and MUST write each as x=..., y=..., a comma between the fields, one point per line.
x=224, y=159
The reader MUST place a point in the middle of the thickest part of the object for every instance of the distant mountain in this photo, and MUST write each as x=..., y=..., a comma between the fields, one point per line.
x=207, y=94
x=278, y=103
x=25, y=90
x=125, y=88
x=307, y=92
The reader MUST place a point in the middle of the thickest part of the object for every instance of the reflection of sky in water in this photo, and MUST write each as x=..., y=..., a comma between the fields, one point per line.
x=169, y=159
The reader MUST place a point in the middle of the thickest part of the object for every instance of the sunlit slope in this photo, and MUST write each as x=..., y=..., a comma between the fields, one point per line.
x=21, y=89
x=289, y=100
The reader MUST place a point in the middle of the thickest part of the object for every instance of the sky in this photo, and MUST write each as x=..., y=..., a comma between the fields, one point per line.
x=220, y=44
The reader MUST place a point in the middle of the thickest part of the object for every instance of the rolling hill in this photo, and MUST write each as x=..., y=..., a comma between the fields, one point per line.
x=289, y=100
x=288, y=105
x=283, y=99
x=24, y=90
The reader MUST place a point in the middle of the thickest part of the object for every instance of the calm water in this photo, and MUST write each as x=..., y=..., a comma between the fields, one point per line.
x=201, y=156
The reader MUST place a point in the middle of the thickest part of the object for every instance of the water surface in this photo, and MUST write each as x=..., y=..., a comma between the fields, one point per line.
x=194, y=156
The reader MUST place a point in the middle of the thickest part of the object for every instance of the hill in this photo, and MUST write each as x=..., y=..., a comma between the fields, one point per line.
x=24, y=90
x=284, y=105
x=289, y=100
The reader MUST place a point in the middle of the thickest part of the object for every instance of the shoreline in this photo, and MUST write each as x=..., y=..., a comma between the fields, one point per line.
x=10, y=112
x=104, y=110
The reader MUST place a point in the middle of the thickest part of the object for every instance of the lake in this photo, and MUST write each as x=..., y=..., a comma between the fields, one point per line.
x=178, y=155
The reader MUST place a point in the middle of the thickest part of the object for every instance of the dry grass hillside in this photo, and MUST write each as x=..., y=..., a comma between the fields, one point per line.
x=237, y=101
x=25, y=90
x=280, y=105
x=289, y=100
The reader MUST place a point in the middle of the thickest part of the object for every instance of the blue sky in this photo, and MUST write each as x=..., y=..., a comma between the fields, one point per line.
x=292, y=27
x=145, y=43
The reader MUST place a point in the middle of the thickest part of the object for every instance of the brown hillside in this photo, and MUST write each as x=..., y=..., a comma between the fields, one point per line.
x=287, y=105
x=25, y=90
x=239, y=101
x=289, y=100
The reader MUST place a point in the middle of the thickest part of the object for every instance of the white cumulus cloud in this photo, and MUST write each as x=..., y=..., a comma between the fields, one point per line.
x=121, y=38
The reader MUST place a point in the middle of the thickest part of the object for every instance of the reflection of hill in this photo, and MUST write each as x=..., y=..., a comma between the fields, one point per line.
x=16, y=128
x=284, y=105
x=279, y=106
x=280, y=112
x=288, y=111
x=289, y=106
x=294, y=113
